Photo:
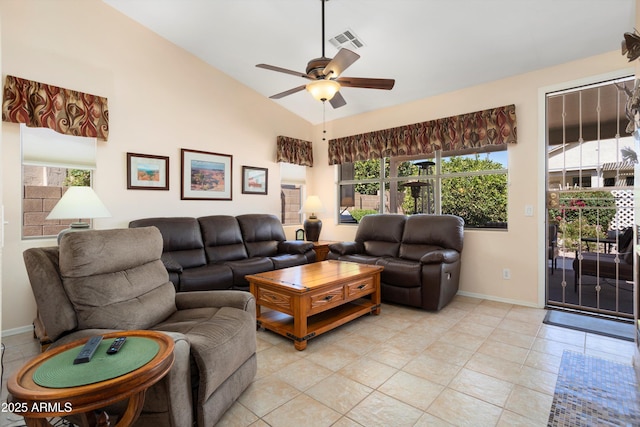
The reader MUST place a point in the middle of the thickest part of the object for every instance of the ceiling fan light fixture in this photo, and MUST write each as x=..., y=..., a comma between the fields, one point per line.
x=323, y=90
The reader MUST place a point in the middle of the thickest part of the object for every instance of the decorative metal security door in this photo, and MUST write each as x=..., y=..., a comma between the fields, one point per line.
x=590, y=178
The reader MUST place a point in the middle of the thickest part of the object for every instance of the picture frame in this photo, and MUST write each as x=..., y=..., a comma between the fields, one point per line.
x=205, y=175
x=147, y=172
x=255, y=180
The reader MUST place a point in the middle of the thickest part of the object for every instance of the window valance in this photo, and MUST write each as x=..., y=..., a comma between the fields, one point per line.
x=296, y=151
x=65, y=111
x=460, y=134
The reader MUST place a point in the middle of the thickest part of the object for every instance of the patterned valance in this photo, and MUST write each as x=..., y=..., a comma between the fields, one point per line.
x=460, y=134
x=296, y=151
x=65, y=111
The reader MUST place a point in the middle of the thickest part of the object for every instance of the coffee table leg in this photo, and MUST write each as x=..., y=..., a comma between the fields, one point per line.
x=300, y=323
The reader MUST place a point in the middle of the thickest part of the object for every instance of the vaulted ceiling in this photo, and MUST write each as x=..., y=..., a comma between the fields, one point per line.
x=428, y=46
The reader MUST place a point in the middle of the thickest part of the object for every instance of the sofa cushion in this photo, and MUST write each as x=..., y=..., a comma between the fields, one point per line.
x=444, y=231
x=359, y=258
x=381, y=234
x=243, y=267
x=181, y=237
x=115, y=279
x=222, y=238
x=221, y=339
x=287, y=260
x=205, y=278
x=400, y=272
x=415, y=252
x=261, y=234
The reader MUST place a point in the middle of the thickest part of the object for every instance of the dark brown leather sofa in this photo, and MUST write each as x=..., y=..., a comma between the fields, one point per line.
x=420, y=255
x=216, y=252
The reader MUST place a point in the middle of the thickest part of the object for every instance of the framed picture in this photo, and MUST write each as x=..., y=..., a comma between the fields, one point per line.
x=205, y=176
x=254, y=180
x=147, y=172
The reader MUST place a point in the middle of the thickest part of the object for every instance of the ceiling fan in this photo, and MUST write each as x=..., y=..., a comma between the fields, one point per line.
x=324, y=74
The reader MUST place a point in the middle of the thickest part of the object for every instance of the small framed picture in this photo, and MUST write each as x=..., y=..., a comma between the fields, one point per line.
x=205, y=176
x=254, y=180
x=147, y=172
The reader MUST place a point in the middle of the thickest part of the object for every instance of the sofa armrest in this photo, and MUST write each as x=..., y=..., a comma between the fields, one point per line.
x=170, y=263
x=200, y=299
x=347, y=248
x=447, y=256
x=294, y=247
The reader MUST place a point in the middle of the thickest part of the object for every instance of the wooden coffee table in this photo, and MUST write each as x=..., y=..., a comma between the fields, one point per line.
x=308, y=300
x=37, y=403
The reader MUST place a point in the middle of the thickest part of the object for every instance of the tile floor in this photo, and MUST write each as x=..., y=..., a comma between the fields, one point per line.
x=474, y=363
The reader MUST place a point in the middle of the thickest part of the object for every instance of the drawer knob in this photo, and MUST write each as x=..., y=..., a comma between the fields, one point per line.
x=328, y=298
x=362, y=286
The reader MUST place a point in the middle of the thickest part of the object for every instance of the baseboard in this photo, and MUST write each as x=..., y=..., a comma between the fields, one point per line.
x=16, y=331
x=498, y=299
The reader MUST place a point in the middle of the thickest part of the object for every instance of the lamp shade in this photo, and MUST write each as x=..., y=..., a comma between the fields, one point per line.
x=79, y=202
x=323, y=90
x=312, y=205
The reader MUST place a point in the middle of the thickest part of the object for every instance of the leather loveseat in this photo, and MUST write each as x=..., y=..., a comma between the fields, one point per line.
x=216, y=252
x=420, y=255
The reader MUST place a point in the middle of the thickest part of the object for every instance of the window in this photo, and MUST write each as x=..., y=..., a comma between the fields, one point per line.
x=292, y=184
x=50, y=163
x=586, y=182
x=473, y=186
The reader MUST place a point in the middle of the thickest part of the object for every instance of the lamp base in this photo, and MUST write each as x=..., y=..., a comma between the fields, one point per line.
x=312, y=228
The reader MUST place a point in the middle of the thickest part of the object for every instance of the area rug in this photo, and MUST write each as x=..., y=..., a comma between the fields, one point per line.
x=609, y=328
x=594, y=392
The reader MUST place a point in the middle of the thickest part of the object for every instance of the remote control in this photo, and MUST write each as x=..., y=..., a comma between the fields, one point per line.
x=116, y=345
x=87, y=351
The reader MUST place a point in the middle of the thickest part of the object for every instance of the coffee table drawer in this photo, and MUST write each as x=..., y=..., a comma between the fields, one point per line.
x=326, y=299
x=275, y=300
x=360, y=287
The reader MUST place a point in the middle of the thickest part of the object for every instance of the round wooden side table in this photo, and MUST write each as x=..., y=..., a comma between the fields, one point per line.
x=37, y=403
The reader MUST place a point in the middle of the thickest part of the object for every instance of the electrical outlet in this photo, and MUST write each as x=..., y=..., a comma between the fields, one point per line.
x=506, y=274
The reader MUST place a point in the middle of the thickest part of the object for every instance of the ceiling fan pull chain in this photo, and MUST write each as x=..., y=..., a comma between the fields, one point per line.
x=324, y=117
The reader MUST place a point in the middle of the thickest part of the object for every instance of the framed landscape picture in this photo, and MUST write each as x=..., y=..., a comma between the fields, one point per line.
x=254, y=180
x=205, y=176
x=147, y=172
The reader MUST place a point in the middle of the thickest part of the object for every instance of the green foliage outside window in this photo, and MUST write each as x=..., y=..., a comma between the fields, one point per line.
x=583, y=214
x=479, y=199
x=78, y=178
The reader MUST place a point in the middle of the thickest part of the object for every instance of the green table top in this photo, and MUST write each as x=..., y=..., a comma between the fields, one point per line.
x=60, y=372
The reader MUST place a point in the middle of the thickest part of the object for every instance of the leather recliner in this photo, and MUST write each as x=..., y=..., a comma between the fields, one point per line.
x=100, y=281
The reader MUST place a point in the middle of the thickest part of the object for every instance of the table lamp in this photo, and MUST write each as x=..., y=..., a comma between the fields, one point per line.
x=80, y=203
x=312, y=225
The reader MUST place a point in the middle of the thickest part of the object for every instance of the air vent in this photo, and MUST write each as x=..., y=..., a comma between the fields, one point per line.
x=347, y=39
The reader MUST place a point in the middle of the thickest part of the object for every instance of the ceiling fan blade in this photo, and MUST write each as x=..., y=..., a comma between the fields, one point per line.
x=283, y=70
x=287, y=92
x=386, y=84
x=340, y=62
x=337, y=101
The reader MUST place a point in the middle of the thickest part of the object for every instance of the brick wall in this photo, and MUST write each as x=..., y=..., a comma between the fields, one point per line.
x=36, y=205
x=292, y=204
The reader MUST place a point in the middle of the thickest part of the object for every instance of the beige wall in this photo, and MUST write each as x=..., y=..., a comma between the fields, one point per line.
x=520, y=249
x=162, y=99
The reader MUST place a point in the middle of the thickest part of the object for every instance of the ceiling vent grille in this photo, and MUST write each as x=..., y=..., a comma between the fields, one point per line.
x=347, y=39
